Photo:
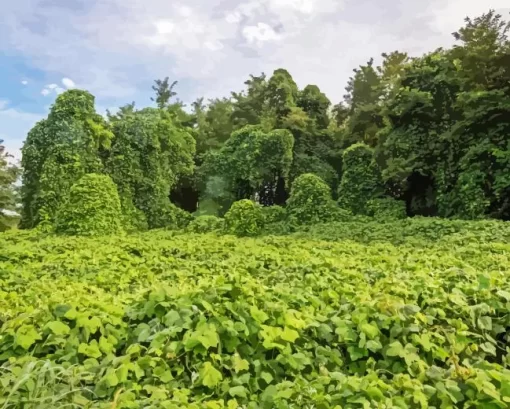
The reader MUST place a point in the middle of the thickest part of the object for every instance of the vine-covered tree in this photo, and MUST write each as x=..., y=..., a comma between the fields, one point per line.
x=58, y=151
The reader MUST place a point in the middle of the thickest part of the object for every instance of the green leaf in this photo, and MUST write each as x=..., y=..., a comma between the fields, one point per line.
x=258, y=315
x=374, y=345
x=485, y=323
x=91, y=350
x=237, y=391
x=375, y=393
x=356, y=352
x=210, y=376
x=488, y=348
x=289, y=335
x=395, y=349
x=504, y=294
x=111, y=378
x=105, y=346
x=240, y=364
x=370, y=330
x=26, y=336
x=58, y=327
x=267, y=377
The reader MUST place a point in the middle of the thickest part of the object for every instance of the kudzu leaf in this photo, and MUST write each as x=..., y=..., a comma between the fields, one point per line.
x=26, y=336
x=58, y=327
x=91, y=350
x=210, y=376
x=373, y=345
x=370, y=330
x=375, y=393
x=289, y=335
x=395, y=349
x=237, y=391
x=485, y=323
x=258, y=315
x=240, y=364
x=267, y=377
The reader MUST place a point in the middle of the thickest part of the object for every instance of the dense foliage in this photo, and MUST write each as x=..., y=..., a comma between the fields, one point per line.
x=8, y=194
x=58, y=151
x=310, y=201
x=244, y=218
x=166, y=320
x=430, y=131
x=361, y=180
x=92, y=208
x=285, y=272
x=205, y=224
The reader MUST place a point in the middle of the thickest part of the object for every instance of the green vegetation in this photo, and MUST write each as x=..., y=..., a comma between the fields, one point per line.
x=92, y=208
x=8, y=194
x=245, y=218
x=430, y=131
x=344, y=315
x=257, y=252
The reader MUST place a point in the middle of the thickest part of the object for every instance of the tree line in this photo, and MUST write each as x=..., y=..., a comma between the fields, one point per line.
x=431, y=132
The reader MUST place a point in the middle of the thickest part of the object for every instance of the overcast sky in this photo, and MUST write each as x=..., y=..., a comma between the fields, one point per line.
x=116, y=48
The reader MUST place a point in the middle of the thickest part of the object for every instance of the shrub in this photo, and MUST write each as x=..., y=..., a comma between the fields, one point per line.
x=310, y=201
x=361, y=179
x=274, y=214
x=92, y=208
x=245, y=218
x=387, y=209
x=164, y=214
x=205, y=224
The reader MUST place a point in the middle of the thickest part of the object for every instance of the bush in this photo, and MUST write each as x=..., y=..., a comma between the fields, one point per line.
x=274, y=214
x=205, y=224
x=164, y=214
x=245, y=218
x=387, y=209
x=310, y=201
x=92, y=208
x=361, y=179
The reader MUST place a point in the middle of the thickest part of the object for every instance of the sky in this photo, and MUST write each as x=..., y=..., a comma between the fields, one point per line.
x=116, y=48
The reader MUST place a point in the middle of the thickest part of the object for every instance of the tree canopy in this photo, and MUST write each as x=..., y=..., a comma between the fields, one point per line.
x=428, y=131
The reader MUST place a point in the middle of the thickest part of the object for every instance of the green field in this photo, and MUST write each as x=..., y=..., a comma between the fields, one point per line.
x=409, y=314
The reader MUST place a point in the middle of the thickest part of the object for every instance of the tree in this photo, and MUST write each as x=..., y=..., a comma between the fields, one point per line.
x=361, y=180
x=254, y=163
x=149, y=154
x=315, y=104
x=58, y=151
x=164, y=92
x=8, y=195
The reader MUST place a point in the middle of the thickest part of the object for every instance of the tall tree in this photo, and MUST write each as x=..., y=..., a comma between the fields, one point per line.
x=58, y=151
x=164, y=92
x=148, y=156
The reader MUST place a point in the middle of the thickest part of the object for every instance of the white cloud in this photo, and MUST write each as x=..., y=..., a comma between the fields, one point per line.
x=52, y=86
x=45, y=91
x=59, y=90
x=24, y=82
x=3, y=104
x=68, y=83
x=214, y=45
x=259, y=34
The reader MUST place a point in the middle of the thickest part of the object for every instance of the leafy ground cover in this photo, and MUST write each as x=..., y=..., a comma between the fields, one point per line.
x=406, y=314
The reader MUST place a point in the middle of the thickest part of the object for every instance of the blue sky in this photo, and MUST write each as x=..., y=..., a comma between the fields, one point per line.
x=116, y=48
